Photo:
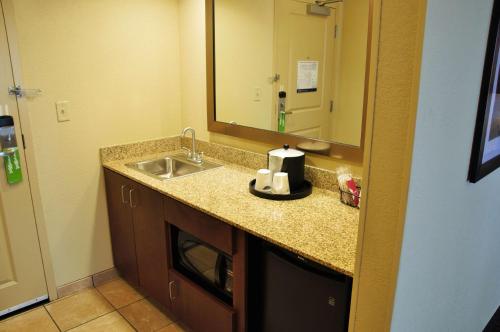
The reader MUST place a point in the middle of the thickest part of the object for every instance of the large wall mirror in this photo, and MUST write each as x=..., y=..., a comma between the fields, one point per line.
x=290, y=71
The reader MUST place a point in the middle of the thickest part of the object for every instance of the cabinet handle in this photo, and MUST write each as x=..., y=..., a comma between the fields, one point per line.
x=131, y=199
x=123, y=194
x=170, y=290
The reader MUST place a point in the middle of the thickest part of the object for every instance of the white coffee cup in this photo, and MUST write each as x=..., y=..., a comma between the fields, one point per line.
x=281, y=186
x=263, y=180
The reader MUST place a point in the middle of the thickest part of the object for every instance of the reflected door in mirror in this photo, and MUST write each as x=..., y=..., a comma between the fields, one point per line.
x=262, y=47
x=305, y=62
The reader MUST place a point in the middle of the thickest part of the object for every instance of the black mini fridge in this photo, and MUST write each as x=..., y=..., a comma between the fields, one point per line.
x=290, y=293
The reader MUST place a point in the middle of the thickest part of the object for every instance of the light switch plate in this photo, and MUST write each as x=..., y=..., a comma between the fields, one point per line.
x=62, y=109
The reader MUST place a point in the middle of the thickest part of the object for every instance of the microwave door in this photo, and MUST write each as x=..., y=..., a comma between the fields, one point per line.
x=184, y=249
x=199, y=259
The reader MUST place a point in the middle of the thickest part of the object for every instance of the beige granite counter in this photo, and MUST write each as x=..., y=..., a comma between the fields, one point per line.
x=318, y=227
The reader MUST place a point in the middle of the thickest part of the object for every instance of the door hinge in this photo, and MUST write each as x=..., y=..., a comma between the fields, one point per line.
x=24, y=142
x=336, y=31
x=331, y=106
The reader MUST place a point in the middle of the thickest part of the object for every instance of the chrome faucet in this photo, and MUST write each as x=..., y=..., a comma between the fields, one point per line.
x=192, y=155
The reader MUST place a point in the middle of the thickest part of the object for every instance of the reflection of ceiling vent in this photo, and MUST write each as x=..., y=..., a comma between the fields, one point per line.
x=319, y=7
x=314, y=9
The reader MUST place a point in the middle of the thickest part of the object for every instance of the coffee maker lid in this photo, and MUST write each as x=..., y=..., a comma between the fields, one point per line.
x=286, y=152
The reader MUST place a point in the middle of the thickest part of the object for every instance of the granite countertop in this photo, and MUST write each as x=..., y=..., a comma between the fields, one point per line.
x=317, y=227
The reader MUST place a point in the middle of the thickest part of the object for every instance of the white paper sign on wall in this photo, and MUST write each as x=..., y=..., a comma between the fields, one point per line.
x=307, y=76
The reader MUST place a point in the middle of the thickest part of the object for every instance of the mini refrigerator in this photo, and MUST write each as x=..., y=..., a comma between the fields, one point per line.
x=290, y=293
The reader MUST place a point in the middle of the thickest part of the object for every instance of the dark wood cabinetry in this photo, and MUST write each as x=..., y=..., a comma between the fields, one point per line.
x=138, y=235
x=198, y=309
x=150, y=243
x=199, y=224
x=196, y=266
x=121, y=225
x=141, y=220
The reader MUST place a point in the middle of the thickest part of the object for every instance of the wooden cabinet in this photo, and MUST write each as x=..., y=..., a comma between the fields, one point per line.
x=150, y=242
x=138, y=235
x=139, y=220
x=121, y=225
x=198, y=309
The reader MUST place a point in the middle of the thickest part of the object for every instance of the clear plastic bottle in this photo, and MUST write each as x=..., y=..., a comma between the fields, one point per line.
x=9, y=150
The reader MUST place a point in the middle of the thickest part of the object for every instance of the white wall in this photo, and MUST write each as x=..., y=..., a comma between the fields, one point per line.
x=117, y=62
x=449, y=277
x=244, y=47
x=193, y=66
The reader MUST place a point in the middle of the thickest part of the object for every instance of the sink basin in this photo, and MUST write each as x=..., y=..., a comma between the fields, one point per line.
x=171, y=167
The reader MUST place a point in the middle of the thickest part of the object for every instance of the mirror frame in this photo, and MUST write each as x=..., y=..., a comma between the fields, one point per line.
x=336, y=150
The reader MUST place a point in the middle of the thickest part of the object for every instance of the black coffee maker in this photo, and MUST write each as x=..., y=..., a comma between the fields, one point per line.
x=289, y=161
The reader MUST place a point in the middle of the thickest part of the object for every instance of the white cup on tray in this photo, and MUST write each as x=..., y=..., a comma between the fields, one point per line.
x=281, y=186
x=264, y=180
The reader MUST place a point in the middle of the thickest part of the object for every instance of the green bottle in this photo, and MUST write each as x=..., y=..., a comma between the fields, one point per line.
x=9, y=150
x=282, y=112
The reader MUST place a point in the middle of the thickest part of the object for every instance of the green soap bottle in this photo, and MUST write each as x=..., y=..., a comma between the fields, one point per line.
x=9, y=150
x=282, y=112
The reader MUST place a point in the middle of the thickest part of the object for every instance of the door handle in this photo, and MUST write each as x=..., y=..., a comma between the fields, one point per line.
x=18, y=91
x=131, y=198
x=170, y=290
x=123, y=194
x=275, y=78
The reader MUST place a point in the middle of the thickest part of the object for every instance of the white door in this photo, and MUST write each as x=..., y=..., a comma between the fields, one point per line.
x=22, y=279
x=305, y=63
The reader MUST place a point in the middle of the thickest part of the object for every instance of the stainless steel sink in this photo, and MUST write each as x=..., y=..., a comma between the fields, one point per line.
x=171, y=167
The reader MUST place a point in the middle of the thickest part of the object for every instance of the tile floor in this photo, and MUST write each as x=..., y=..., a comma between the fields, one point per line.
x=113, y=306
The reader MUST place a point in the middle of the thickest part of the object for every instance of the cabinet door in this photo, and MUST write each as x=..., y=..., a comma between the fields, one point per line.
x=121, y=225
x=150, y=242
x=199, y=310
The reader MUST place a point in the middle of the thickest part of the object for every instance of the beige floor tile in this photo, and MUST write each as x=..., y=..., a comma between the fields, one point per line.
x=173, y=328
x=144, y=316
x=119, y=293
x=35, y=320
x=78, y=309
x=112, y=322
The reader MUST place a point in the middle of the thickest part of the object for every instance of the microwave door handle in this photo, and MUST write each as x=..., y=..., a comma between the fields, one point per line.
x=219, y=270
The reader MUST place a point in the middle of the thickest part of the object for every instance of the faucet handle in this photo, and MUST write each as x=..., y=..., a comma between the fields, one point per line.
x=188, y=152
x=199, y=157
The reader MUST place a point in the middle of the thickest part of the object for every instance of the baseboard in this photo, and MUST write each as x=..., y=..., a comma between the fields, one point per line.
x=104, y=276
x=87, y=282
x=74, y=287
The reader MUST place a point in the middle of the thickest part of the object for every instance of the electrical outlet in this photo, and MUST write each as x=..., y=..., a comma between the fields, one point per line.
x=62, y=110
x=257, y=94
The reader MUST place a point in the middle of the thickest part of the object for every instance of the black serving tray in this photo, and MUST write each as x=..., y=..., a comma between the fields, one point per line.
x=302, y=192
